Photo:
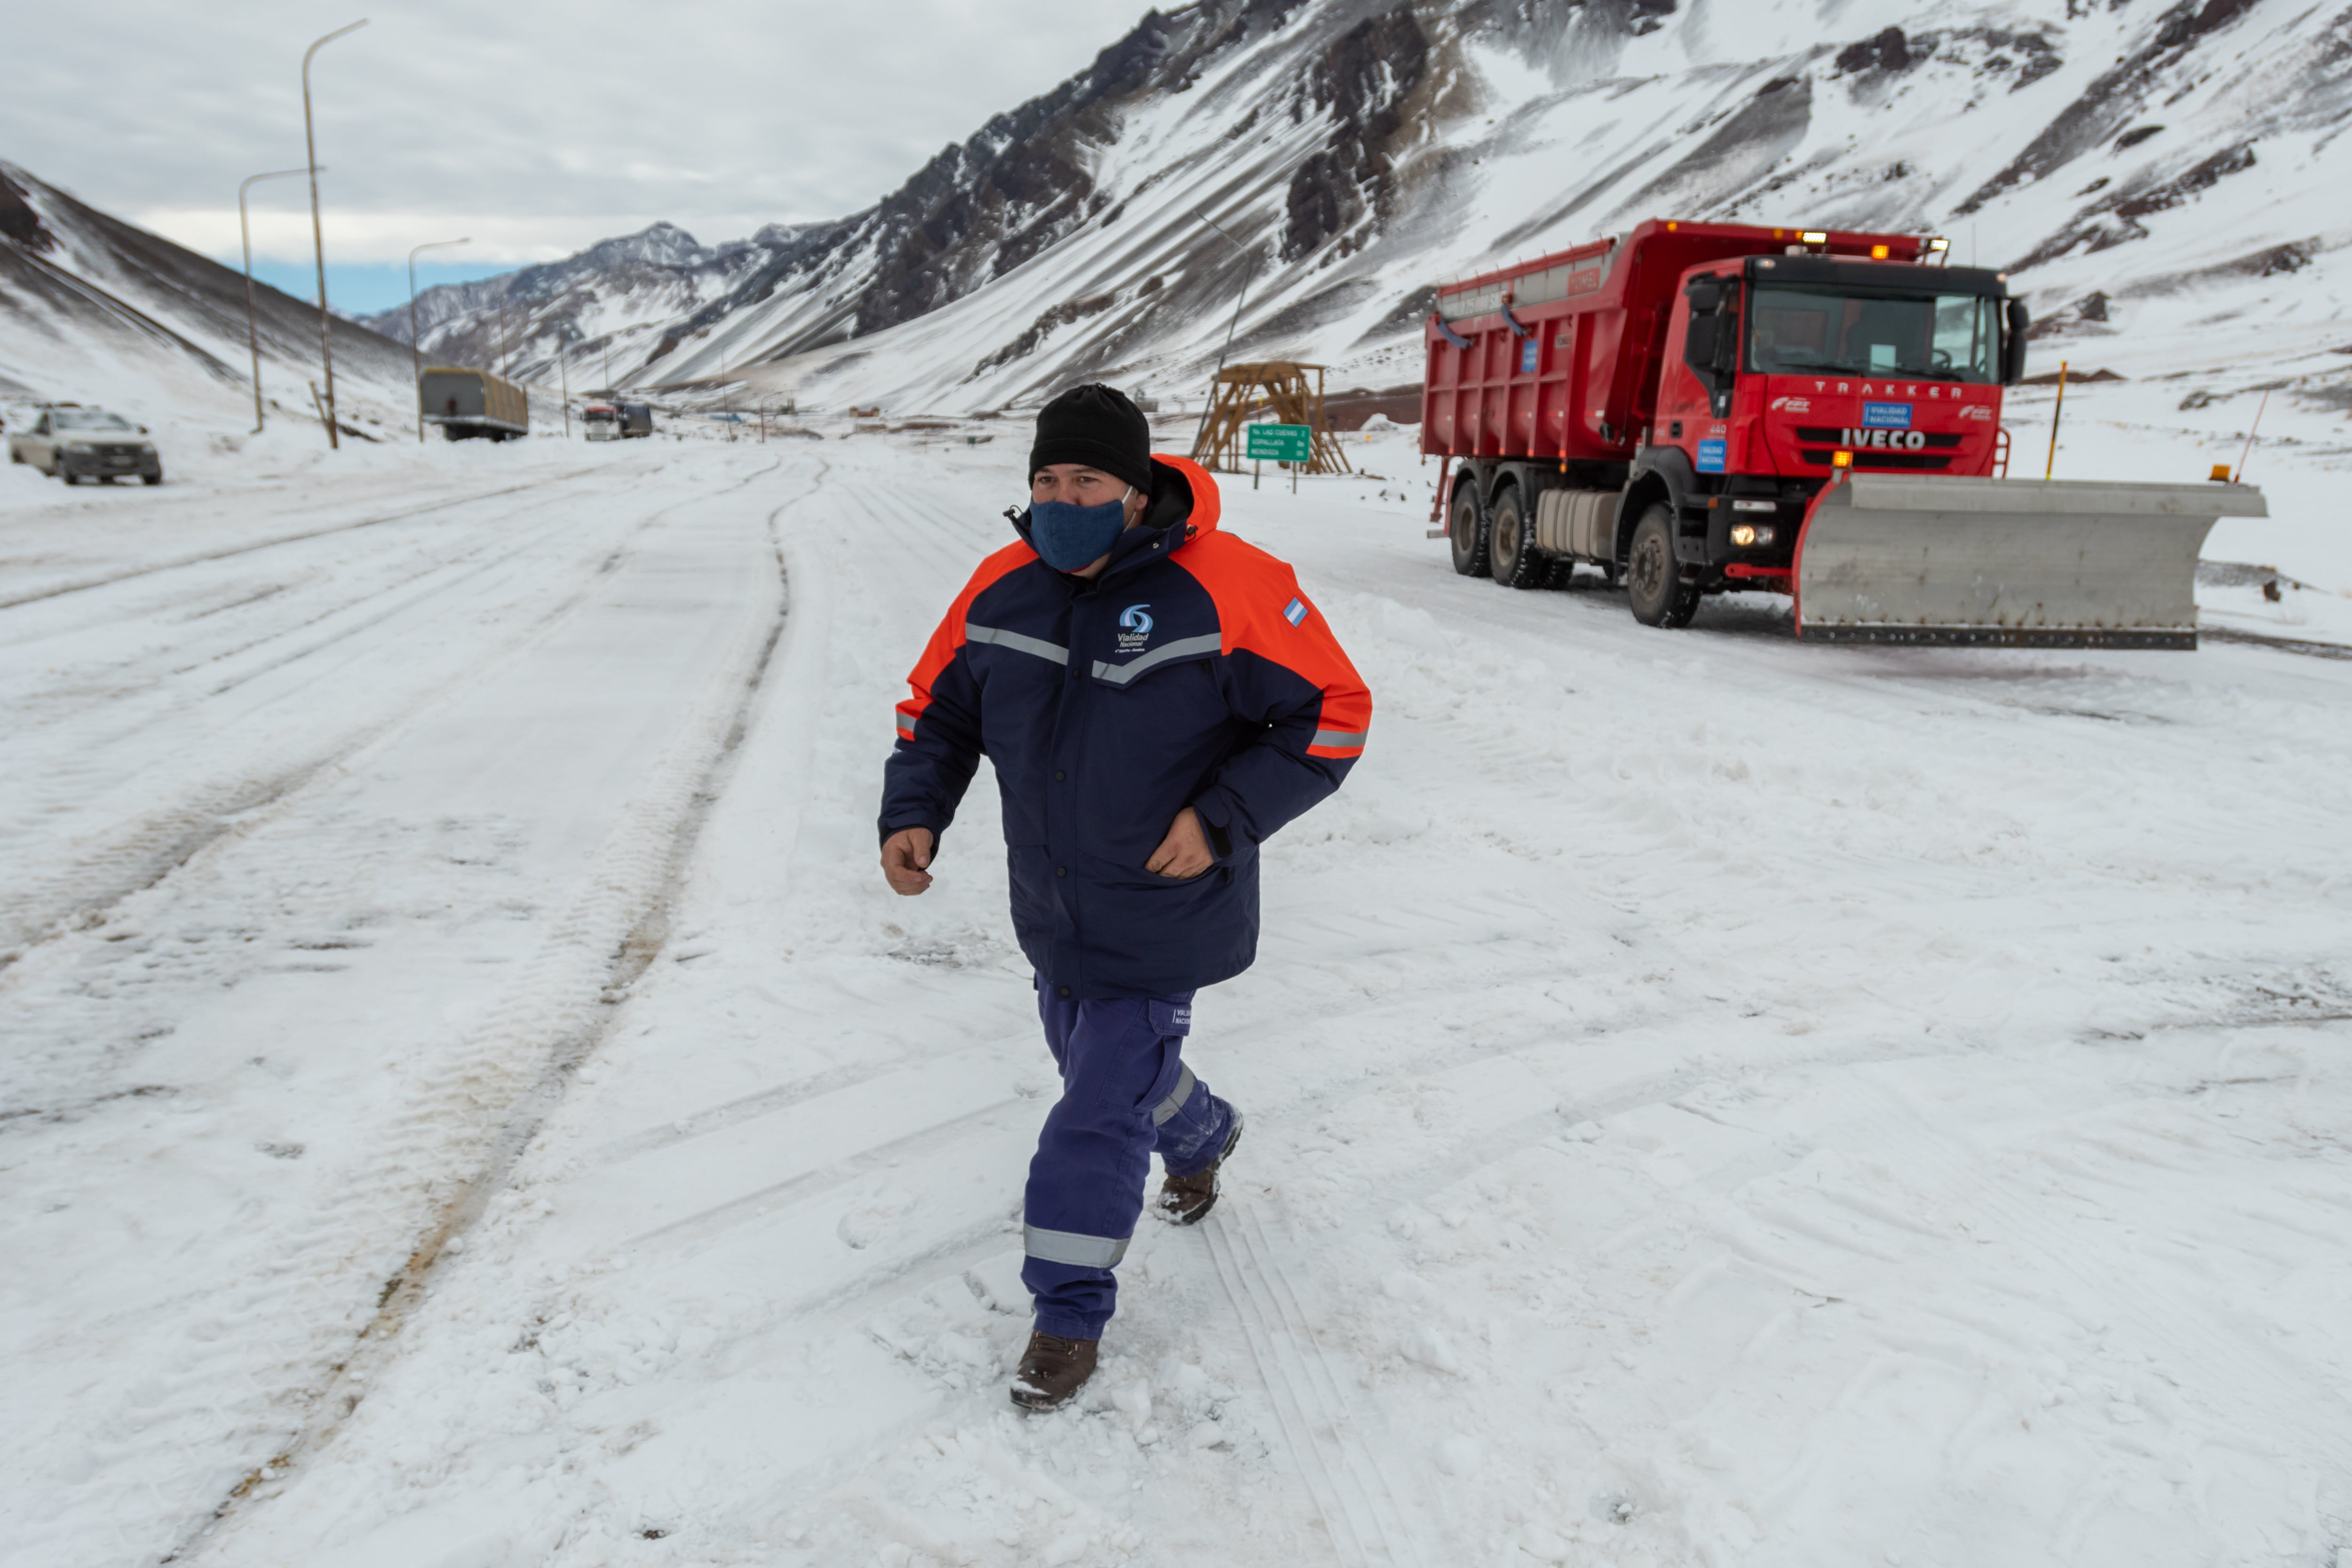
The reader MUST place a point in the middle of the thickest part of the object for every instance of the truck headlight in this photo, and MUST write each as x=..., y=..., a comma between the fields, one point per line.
x=1747, y=534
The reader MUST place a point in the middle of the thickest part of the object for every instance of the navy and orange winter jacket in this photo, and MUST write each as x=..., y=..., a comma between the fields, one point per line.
x=1191, y=672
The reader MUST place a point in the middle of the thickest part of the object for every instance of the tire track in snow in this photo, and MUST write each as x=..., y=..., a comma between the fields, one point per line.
x=86, y=585
x=2224, y=1363
x=1357, y=1499
x=829, y=1177
x=557, y=1017
x=142, y=854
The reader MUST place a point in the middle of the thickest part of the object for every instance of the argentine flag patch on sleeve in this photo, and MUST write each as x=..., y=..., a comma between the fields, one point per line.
x=1295, y=612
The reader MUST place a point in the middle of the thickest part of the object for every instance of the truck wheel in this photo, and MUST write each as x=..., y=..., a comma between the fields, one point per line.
x=1654, y=590
x=1517, y=562
x=1465, y=530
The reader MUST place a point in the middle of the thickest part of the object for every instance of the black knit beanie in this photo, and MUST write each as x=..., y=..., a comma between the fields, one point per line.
x=1098, y=426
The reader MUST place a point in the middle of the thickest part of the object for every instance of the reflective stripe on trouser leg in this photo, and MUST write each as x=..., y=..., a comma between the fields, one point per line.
x=1069, y=1247
x=1176, y=1098
x=1119, y=1061
x=1191, y=1136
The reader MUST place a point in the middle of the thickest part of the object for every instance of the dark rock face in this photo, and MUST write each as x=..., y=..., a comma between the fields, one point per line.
x=2113, y=219
x=1766, y=127
x=19, y=221
x=2112, y=99
x=1058, y=316
x=1890, y=51
x=1361, y=80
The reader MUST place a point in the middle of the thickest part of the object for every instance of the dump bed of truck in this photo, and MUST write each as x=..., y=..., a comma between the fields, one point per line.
x=1558, y=358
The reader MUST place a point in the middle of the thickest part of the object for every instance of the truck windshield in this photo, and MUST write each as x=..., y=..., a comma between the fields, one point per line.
x=1942, y=337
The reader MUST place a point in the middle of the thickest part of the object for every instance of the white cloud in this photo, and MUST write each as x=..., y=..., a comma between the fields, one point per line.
x=536, y=128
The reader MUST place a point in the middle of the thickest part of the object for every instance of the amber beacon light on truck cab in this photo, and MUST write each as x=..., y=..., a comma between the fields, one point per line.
x=1700, y=408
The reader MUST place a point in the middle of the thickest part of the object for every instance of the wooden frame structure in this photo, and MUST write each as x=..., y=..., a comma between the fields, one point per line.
x=1242, y=391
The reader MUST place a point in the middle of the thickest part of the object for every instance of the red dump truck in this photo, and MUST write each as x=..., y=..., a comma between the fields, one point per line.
x=1697, y=408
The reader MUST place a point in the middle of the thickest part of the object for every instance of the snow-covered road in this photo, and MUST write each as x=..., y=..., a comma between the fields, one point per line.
x=469, y=1100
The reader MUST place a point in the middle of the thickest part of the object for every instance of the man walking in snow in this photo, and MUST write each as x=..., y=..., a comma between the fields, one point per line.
x=1157, y=698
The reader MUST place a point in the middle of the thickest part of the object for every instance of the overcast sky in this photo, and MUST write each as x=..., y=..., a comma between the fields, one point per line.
x=533, y=128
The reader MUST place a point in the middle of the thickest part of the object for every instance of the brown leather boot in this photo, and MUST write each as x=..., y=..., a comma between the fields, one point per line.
x=1187, y=1199
x=1052, y=1369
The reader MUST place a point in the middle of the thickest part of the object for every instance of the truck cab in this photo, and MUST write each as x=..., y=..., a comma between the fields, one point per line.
x=1781, y=374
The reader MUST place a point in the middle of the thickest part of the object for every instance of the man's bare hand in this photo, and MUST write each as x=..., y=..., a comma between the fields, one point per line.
x=1185, y=853
x=905, y=854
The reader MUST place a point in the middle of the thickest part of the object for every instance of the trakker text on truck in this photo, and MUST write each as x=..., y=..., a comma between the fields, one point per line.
x=1701, y=408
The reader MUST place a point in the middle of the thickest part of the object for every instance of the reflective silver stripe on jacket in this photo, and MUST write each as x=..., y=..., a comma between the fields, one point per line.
x=1338, y=738
x=1069, y=1247
x=1017, y=642
x=1176, y=1096
x=1185, y=647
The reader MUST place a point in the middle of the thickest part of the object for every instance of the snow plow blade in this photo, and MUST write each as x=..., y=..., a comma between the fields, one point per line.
x=1900, y=558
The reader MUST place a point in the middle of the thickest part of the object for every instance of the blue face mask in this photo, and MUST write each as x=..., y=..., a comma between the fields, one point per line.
x=1069, y=536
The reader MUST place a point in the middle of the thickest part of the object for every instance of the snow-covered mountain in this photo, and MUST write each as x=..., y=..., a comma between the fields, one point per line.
x=2166, y=177
x=2166, y=181
x=94, y=309
x=610, y=303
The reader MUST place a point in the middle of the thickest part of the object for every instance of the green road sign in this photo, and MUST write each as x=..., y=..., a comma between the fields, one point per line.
x=1279, y=443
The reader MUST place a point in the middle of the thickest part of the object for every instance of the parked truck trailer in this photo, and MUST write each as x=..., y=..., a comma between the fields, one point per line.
x=468, y=403
x=1698, y=408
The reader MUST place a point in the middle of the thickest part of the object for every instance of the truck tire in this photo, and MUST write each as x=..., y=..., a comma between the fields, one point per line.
x=1466, y=530
x=1654, y=590
x=1517, y=562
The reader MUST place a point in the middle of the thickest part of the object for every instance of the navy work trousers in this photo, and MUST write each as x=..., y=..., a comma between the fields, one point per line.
x=1126, y=1095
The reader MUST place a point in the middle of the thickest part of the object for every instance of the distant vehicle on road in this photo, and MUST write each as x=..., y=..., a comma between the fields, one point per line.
x=74, y=444
x=637, y=420
x=603, y=422
x=467, y=403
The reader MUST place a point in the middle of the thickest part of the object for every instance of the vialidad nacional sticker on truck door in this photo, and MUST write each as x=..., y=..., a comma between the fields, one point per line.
x=1711, y=455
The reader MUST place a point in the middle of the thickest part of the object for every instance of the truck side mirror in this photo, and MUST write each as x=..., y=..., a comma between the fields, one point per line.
x=2012, y=353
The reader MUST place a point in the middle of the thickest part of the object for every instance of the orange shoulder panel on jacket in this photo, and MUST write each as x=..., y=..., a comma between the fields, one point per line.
x=949, y=635
x=1261, y=610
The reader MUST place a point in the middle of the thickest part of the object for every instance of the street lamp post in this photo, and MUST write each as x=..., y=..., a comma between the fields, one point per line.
x=415, y=354
x=245, y=231
x=318, y=233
